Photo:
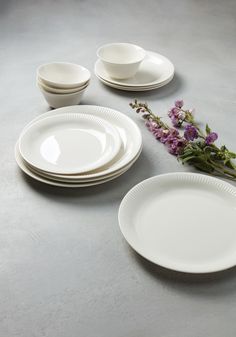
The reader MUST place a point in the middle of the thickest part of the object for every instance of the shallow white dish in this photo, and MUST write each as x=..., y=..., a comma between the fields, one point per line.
x=77, y=178
x=130, y=135
x=63, y=75
x=155, y=69
x=182, y=221
x=59, y=100
x=69, y=143
x=121, y=60
x=129, y=88
x=27, y=171
x=60, y=91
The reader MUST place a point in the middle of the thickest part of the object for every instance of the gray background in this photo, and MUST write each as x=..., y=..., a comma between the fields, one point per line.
x=65, y=269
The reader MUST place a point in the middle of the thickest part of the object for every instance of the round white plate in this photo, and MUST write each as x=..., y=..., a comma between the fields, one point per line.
x=129, y=133
x=155, y=69
x=44, y=180
x=76, y=178
x=109, y=84
x=182, y=221
x=69, y=143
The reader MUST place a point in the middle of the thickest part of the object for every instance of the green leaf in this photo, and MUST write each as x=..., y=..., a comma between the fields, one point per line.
x=232, y=155
x=186, y=159
x=204, y=167
x=208, y=130
x=210, y=149
x=229, y=164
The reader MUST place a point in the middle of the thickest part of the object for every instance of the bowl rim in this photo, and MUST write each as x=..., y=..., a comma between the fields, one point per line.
x=61, y=95
x=60, y=83
x=66, y=91
x=120, y=43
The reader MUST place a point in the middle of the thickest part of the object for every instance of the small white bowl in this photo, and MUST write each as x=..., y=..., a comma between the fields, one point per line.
x=63, y=75
x=60, y=100
x=121, y=60
x=60, y=91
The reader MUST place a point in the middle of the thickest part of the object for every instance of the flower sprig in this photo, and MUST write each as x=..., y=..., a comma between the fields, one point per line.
x=193, y=145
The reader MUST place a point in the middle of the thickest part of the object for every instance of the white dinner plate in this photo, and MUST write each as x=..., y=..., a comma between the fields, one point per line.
x=182, y=221
x=129, y=133
x=47, y=181
x=77, y=178
x=154, y=70
x=69, y=143
x=119, y=87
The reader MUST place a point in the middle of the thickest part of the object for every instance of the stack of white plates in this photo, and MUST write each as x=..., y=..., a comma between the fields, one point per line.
x=154, y=72
x=78, y=146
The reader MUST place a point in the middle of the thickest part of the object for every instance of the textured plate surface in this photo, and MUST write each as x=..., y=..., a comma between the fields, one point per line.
x=69, y=143
x=182, y=221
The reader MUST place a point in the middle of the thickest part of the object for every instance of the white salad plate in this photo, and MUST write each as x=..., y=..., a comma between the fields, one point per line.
x=69, y=143
x=130, y=135
x=48, y=181
x=74, y=178
x=153, y=71
x=182, y=221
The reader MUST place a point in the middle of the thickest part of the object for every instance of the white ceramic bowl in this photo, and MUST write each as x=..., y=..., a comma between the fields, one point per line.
x=60, y=91
x=60, y=100
x=121, y=60
x=63, y=75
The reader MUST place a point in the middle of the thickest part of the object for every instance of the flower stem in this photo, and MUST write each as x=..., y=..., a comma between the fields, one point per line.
x=222, y=169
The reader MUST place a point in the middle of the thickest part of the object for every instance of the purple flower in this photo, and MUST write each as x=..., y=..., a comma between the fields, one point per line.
x=173, y=112
x=190, y=132
x=181, y=115
x=176, y=146
x=211, y=138
x=174, y=132
x=151, y=125
x=177, y=116
x=164, y=136
x=175, y=121
x=158, y=133
x=179, y=103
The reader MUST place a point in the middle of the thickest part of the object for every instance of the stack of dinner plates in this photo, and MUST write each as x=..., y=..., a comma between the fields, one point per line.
x=154, y=72
x=78, y=146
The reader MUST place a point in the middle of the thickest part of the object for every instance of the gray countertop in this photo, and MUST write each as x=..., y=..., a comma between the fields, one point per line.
x=65, y=269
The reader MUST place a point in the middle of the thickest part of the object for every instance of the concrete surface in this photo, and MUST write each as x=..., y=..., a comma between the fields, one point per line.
x=65, y=269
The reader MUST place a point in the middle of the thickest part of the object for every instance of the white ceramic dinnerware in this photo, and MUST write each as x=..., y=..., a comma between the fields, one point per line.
x=69, y=144
x=128, y=88
x=131, y=146
x=121, y=60
x=53, y=90
x=68, y=184
x=62, y=84
x=182, y=221
x=75, y=179
x=154, y=72
x=63, y=75
x=60, y=100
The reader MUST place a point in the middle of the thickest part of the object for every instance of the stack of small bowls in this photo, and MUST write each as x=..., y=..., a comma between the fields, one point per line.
x=62, y=84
